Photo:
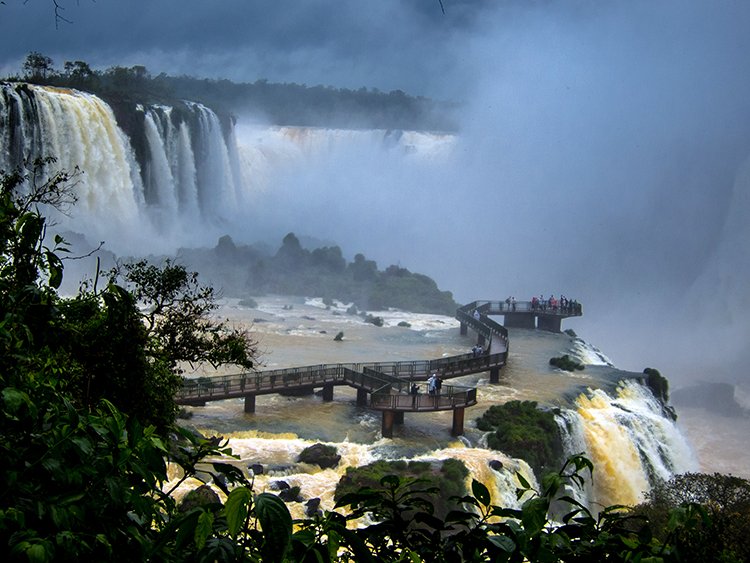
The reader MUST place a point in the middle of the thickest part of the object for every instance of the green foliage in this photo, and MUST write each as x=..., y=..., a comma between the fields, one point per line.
x=658, y=384
x=519, y=429
x=722, y=534
x=284, y=104
x=565, y=362
x=406, y=527
x=322, y=272
x=80, y=479
x=176, y=311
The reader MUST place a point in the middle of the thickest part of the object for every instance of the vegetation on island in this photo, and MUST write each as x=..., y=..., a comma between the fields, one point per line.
x=521, y=430
x=439, y=484
x=244, y=270
x=84, y=473
x=277, y=103
x=565, y=362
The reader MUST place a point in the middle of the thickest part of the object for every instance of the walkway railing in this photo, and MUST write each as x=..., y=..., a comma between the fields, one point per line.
x=388, y=384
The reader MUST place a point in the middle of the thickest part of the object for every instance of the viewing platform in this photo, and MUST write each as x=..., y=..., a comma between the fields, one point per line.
x=527, y=314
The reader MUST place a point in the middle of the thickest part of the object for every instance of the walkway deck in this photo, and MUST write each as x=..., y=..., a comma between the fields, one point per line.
x=383, y=386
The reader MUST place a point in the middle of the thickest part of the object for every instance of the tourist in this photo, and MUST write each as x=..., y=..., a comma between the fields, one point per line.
x=414, y=393
x=432, y=384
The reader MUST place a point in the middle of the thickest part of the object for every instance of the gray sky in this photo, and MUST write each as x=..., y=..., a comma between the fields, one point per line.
x=603, y=146
x=387, y=44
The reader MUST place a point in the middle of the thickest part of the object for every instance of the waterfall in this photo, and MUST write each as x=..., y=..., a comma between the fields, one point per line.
x=186, y=172
x=628, y=439
x=80, y=131
x=217, y=164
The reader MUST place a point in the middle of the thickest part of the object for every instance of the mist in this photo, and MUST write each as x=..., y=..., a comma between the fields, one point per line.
x=601, y=155
x=602, y=152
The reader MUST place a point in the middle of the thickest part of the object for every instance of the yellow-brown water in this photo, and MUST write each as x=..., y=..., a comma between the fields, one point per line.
x=291, y=332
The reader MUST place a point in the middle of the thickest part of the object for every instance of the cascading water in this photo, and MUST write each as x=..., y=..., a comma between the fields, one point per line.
x=80, y=131
x=628, y=438
x=189, y=169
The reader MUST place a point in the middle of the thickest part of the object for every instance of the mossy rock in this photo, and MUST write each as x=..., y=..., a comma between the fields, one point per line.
x=519, y=429
x=566, y=363
x=447, y=476
x=202, y=496
x=322, y=455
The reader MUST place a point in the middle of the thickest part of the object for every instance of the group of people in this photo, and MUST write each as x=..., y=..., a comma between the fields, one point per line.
x=477, y=350
x=434, y=385
x=562, y=305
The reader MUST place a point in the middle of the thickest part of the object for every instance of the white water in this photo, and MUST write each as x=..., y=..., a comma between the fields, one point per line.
x=80, y=131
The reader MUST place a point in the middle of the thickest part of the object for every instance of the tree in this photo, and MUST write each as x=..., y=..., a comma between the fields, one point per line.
x=78, y=72
x=175, y=309
x=722, y=534
x=37, y=66
x=80, y=479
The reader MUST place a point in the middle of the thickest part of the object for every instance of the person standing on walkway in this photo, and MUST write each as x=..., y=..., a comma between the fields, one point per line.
x=432, y=384
x=414, y=393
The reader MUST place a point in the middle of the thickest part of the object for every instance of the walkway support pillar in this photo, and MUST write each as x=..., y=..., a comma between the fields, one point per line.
x=480, y=339
x=386, y=428
x=495, y=374
x=549, y=323
x=520, y=320
x=458, y=422
x=250, y=403
x=361, y=398
x=464, y=329
x=398, y=417
x=327, y=393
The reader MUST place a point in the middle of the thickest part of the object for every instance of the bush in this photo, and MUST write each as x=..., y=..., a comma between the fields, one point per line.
x=519, y=429
x=566, y=363
x=446, y=478
x=722, y=535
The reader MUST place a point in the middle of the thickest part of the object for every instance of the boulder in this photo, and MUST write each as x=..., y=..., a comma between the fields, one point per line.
x=321, y=455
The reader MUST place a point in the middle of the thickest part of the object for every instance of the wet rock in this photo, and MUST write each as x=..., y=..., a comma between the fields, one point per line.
x=312, y=507
x=321, y=455
x=256, y=468
x=496, y=464
x=201, y=496
x=290, y=495
x=279, y=485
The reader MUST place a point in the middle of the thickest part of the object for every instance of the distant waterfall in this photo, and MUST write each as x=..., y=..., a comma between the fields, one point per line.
x=629, y=440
